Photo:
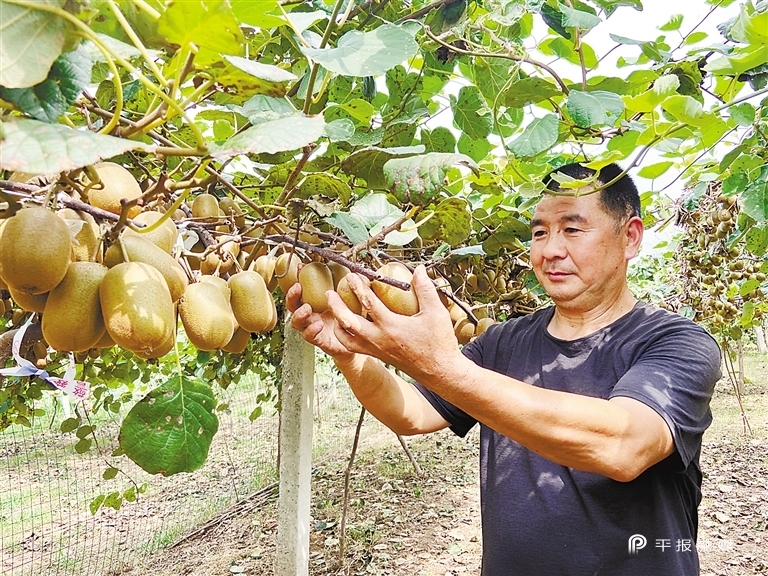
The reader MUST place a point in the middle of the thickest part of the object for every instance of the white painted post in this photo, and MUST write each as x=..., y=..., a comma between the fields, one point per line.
x=292, y=557
x=760, y=333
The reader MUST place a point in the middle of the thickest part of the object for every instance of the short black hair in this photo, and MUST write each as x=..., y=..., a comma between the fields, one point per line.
x=621, y=199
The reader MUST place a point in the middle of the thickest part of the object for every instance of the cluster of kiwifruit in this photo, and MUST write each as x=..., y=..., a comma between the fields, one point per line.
x=711, y=264
x=130, y=293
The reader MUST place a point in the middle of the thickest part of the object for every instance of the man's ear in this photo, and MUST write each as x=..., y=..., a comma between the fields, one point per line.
x=634, y=237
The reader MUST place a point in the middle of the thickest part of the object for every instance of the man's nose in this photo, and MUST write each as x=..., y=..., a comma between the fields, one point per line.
x=554, y=247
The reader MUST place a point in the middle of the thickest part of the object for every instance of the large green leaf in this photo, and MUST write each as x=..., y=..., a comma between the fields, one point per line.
x=368, y=163
x=470, y=113
x=242, y=77
x=265, y=72
x=538, y=136
x=491, y=75
x=283, y=134
x=418, y=179
x=757, y=240
x=208, y=23
x=578, y=18
x=51, y=98
x=262, y=14
x=755, y=200
x=322, y=184
x=262, y=108
x=450, y=222
x=30, y=42
x=478, y=150
x=441, y=139
x=396, y=237
x=594, y=108
x=170, y=430
x=373, y=208
x=351, y=226
x=40, y=148
x=529, y=91
x=509, y=235
x=366, y=53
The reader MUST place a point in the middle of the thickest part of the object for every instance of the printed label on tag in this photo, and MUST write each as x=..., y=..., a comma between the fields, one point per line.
x=77, y=388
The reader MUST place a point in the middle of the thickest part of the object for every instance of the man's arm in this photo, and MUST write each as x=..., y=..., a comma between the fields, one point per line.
x=393, y=401
x=619, y=438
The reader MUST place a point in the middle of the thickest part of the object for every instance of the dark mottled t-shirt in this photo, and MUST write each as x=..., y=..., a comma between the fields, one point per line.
x=544, y=519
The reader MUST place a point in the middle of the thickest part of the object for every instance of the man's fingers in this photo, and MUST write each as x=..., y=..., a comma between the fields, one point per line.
x=293, y=297
x=374, y=307
x=345, y=318
x=424, y=288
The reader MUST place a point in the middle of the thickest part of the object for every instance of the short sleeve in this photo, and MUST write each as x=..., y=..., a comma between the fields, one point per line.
x=461, y=422
x=675, y=376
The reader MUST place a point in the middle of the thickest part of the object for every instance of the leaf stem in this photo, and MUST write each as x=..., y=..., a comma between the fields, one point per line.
x=323, y=43
x=137, y=42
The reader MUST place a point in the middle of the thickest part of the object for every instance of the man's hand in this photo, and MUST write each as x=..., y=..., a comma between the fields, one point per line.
x=317, y=329
x=422, y=345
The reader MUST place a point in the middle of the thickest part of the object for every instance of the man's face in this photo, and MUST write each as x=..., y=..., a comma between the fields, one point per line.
x=578, y=255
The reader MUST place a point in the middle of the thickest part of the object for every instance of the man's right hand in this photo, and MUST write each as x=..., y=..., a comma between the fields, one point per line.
x=317, y=329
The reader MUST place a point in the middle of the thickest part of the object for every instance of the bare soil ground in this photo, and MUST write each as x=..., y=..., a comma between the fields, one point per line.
x=400, y=524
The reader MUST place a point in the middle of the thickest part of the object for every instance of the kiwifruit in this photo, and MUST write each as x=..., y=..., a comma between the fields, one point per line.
x=105, y=341
x=223, y=226
x=464, y=331
x=164, y=236
x=250, y=301
x=72, y=319
x=287, y=270
x=232, y=209
x=238, y=342
x=338, y=271
x=220, y=283
x=117, y=184
x=483, y=324
x=206, y=208
x=137, y=307
x=265, y=265
x=40, y=350
x=35, y=250
x=315, y=279
x=348, y=296
x=457, y=313
x=399, y=301
x=206, y=316
x=29, y=302
x=160, y=351
x=85, y=235
x=139, y=249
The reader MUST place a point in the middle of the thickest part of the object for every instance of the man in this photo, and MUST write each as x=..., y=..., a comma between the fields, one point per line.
x=591, y=411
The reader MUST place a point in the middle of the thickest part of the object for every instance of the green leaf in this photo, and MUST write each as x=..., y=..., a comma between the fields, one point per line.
x=69, y=425
x=396, y=237
x=70, y=73
x=96, y=504
x=734, y=184
x=695, y=37
x=208, y=23
x=743, y=114
x=322, y=184
x=30, y=42
x=40, y=148
x=258, y=411
x=594, y=108
x=418, y=179
x=538, y=136
x=578, y=18
x=265, y=72
x=170, y=430
x=262, y=108
x=340, y=130
x=662, y=88
x=687, y=109
x=529, y=91
x=747, y=314
x=450, y=222
x=351, y=226
x=113, y=500
x=441, y=139
x=653, y=171
x=261, y=14
x=374, y=208
x=755, y=200
x=368, y=163
x=109, y=473
x=509, y=235
x=470, y=113
x=750, y=28
x=475, y=149
x=366, y=53
x=491, y=75
x=673, y=23
x=287, y=133
x=82, y=446
x=757, y=240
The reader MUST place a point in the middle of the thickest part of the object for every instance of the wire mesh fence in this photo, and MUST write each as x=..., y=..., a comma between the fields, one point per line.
x=46, y=526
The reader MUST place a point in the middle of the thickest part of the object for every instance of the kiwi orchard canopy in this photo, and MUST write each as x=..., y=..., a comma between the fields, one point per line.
x=311, y=142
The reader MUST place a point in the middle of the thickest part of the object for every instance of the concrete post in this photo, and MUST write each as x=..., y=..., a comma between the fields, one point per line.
x=292, y=558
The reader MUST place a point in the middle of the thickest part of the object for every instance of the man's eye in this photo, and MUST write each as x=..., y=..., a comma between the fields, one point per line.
x=572, y=230
x=538, y=233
